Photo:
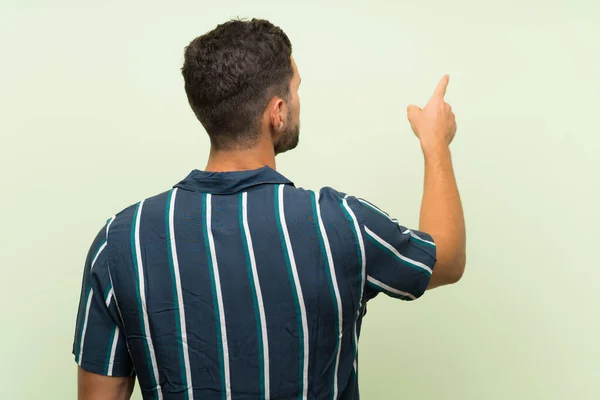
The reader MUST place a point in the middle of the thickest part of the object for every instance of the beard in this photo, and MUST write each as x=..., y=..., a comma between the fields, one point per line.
x=289, y=139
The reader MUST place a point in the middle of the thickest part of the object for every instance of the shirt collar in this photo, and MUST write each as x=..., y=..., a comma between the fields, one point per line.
x=222, y=183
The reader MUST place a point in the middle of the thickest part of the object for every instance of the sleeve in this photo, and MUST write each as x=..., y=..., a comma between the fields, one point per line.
x=399, y=261
x=100, y=345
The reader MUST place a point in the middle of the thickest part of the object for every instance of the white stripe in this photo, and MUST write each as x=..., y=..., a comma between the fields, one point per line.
x=363, y=275
x=389, y=288
x=355, y=366
x=261, y=309
x=395, y=252
x=374, y=207
x=380, y=211
x=414, y=235
x=184, y=341
x=217, y=282
x=98, y=254
x=395, y=221
x=138, y=254
x=90, y=294
x=355, y=333
x=361, y=245
x=116, y=302
x=113, y=350
x=336, y=290
x=109, y=296
x=110, y=221
x=290, y=252
x=87, y=312
x=120, y=316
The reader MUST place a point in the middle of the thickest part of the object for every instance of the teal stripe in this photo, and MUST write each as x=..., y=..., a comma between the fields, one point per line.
x=106, y=292
x=422, y=241
x=213, y=286
x=296, y=297
x=382, y=247
x=139, y=297
x=83, y=317
x=387, y=292
x=331, y=283
x=360, y=275
x=169, y=235
x=358, y=249
x=381, y=212
x=261, y=358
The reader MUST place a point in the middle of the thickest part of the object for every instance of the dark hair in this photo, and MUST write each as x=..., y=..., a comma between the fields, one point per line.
x=231, y=73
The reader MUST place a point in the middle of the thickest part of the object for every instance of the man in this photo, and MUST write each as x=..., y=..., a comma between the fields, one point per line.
x=235, y=284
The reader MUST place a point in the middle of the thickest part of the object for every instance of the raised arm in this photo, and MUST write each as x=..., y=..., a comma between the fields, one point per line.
x=441, y=210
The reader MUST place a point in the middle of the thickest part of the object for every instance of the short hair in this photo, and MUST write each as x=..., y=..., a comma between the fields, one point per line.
x=231, y=73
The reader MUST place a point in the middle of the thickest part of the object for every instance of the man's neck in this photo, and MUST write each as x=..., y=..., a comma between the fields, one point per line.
x=241, y=160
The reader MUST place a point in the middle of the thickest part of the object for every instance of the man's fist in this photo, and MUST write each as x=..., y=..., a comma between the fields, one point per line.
x=434, y=124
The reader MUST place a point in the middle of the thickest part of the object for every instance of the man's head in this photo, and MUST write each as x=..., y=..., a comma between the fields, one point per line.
x=242, y=83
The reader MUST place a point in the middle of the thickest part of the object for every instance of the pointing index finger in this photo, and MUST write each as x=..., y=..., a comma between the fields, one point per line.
x=440, y=90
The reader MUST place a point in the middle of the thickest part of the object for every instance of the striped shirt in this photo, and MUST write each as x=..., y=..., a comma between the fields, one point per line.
x=239, y=285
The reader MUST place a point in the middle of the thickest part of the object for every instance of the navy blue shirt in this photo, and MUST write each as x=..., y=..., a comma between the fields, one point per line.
x=239, y=285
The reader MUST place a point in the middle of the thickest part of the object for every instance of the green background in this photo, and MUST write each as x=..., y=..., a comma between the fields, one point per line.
x=94, y=118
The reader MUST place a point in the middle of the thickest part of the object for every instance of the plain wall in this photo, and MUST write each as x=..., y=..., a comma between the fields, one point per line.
x=94, y=118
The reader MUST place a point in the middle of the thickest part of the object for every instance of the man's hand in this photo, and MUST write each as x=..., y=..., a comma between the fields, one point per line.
x=435, y=124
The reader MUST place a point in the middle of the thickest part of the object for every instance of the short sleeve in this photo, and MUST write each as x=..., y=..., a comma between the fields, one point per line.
x=399, y=261
x=100, y=344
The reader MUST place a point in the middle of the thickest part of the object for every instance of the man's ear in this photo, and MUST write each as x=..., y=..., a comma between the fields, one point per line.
x=277, y=112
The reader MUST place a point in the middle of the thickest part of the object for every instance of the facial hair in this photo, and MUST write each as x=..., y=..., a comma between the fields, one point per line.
x=289, y=139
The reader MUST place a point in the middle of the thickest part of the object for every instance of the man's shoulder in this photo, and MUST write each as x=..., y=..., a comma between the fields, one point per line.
x=152, y=208
x=328, y=197
x=324, y=193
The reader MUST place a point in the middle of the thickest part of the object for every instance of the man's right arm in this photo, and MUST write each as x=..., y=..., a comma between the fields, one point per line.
x=441, y=210
x=442, y=217
x=93, y=386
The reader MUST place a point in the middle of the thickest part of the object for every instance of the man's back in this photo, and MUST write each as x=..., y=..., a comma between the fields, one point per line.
x=239, y=285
